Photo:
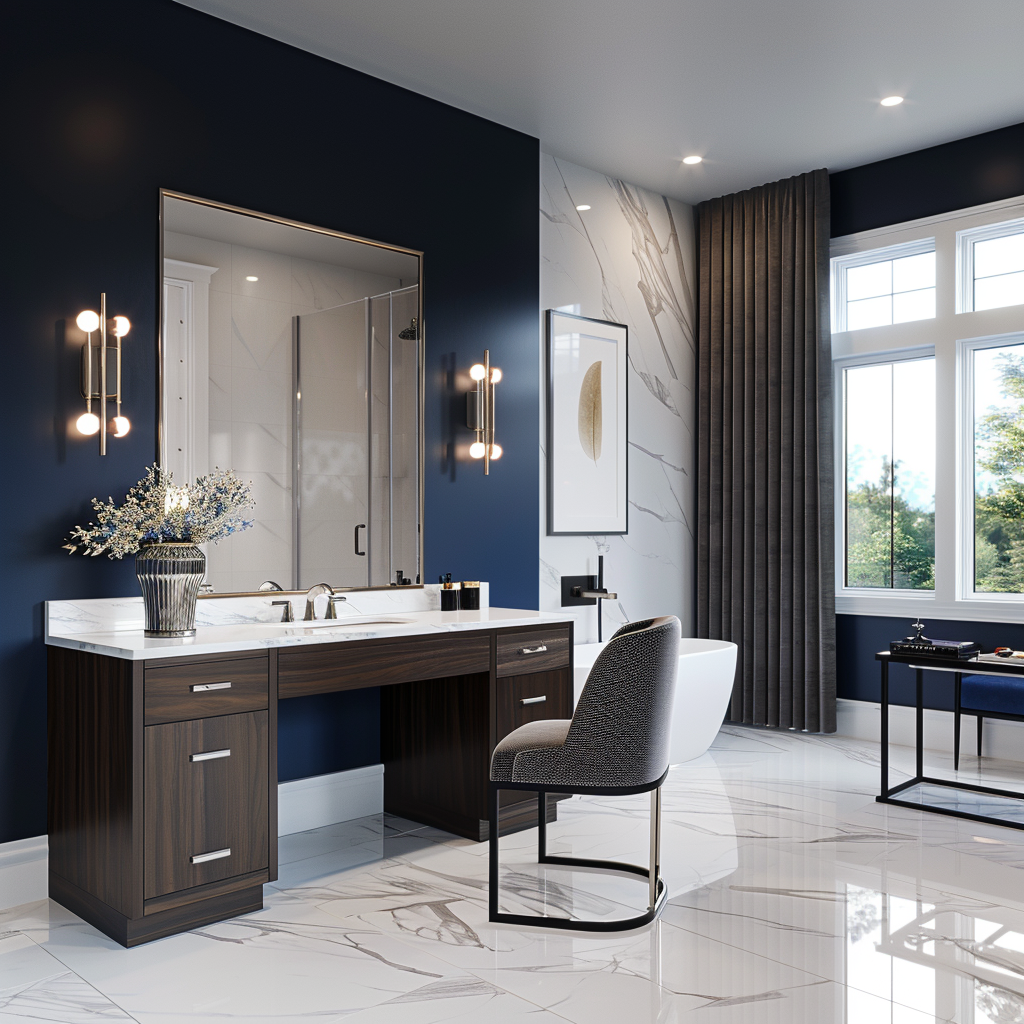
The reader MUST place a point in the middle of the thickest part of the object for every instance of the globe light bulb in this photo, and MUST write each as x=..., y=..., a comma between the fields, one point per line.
x=122, y=325
x=477, y=371
x=495, y=451
x=476, y=450
x=88, y=321
x=495, y=375
x=88, y=423
x=120, y=425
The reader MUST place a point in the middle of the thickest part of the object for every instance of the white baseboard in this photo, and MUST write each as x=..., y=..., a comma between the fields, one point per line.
x=861, y=719
x=328, y=799
x=23, y=866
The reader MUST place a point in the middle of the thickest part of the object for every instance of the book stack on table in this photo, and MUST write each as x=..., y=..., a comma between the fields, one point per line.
x=936, y=650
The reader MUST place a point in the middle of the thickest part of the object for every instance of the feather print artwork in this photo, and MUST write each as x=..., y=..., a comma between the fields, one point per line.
x=590, y=412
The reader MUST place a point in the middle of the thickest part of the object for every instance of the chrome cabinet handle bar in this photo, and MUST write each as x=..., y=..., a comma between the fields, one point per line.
x=533, y=700
x=202, y=858
x=533, y=650
x=201, y=687
x=210, y=755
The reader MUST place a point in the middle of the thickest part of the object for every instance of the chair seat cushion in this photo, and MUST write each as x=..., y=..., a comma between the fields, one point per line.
x=1003, y=694
x=542, y=735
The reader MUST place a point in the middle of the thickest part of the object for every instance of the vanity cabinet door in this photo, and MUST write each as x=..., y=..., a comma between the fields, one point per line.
x=527, y=698
x=207, y=801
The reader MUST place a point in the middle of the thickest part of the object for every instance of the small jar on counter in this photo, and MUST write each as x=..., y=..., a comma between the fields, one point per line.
x=469, y=596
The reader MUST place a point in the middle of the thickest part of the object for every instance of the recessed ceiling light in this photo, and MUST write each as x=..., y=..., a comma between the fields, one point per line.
x=692, y=159
x=583, y=207
x=250, y=278
x=892, y=101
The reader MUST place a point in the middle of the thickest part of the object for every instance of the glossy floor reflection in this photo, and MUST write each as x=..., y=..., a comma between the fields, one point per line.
x=794, y=899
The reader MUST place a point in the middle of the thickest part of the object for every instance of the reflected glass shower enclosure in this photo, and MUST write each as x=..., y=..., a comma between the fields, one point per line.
x=357, y=479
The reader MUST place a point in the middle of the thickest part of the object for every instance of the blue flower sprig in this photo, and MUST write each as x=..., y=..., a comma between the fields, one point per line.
x=154, y=510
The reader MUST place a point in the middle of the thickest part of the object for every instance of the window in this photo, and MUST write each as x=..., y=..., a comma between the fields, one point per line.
x=889, y=474
x=884, y=286
x=990, y=264
x=928, y=351
x=993, y=379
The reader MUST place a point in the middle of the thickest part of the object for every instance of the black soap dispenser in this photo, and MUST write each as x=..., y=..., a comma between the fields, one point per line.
x=449, y=593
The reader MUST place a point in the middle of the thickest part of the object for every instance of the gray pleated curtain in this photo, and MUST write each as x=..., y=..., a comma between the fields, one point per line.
x=764, y=449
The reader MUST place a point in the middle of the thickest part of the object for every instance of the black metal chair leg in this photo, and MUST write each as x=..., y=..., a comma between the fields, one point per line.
x=981, y=722
x=492, y=836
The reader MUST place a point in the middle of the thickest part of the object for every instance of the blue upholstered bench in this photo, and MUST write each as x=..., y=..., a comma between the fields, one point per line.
x=986, y=697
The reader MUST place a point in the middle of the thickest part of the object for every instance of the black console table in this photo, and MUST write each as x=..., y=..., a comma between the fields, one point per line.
x=971, y=796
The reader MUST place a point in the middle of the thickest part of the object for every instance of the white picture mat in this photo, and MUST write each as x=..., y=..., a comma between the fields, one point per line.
x=586, y=496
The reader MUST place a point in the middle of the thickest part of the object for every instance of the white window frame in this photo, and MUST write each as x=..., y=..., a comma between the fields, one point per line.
x=944, y=337
x=840, y=365
x=965, y=240
x=966, y=348
x=841, y=264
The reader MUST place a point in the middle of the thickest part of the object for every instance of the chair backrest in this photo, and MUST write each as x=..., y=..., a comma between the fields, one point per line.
x=621, y=729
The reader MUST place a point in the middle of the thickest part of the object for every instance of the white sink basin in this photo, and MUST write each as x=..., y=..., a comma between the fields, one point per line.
x=336, y=624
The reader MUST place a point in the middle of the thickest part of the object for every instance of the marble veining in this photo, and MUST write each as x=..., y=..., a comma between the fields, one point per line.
x=629, y=259
x=794, y=898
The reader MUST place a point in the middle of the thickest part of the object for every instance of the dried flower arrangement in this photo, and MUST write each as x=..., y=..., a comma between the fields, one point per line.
x=155, y=510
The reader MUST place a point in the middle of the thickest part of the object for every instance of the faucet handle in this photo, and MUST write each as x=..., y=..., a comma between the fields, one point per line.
x=287, y=615
x=332, y=601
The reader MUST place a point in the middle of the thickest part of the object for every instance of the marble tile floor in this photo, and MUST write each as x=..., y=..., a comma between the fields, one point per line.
x=794, y=897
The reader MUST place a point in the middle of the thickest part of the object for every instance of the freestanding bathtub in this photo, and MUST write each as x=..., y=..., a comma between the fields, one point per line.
x=703, y=687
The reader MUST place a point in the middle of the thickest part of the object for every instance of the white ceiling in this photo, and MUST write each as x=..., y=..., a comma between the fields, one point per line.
x=762, y=89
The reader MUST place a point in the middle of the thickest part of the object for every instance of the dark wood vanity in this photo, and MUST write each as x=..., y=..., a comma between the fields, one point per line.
x=163, y=772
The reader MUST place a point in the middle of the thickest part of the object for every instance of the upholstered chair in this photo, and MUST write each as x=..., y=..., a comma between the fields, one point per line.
x=985, y=696
x=615, y=744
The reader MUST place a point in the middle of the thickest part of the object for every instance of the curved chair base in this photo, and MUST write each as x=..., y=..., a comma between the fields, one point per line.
x=658, y=893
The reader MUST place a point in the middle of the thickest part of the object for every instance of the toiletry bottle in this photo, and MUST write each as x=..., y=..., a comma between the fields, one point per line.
x=449, y=593
x=469, y=596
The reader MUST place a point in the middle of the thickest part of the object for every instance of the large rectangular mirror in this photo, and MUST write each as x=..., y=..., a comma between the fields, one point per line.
x=292, y=355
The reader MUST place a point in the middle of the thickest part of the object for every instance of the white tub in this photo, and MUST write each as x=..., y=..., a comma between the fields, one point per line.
x=703, y=688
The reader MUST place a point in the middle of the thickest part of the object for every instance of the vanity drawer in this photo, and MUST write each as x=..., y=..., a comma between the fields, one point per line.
x=529, y=698
x=206, y=817
x=203, y=689
x=536, y=650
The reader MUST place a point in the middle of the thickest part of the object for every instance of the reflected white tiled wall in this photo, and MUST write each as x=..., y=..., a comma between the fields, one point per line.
x=629, y=259
x=251, y=386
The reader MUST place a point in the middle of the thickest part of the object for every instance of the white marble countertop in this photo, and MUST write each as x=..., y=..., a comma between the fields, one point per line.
x=134, y=645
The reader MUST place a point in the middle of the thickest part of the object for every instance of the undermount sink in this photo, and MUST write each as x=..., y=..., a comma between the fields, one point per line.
x=333, y=624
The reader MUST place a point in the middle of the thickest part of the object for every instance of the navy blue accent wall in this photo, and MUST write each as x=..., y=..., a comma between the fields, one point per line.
x=339, y=729
x=106, y=102
x=980, y=169
x=968, y=172
x=860, y=637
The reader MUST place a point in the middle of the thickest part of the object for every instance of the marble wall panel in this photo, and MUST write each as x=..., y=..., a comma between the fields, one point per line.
x=629, y=258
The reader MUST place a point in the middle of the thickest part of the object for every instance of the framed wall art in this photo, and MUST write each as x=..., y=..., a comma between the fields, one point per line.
x=587, y=417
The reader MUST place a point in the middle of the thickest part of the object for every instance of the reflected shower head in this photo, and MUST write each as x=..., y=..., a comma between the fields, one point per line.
x=412, y=332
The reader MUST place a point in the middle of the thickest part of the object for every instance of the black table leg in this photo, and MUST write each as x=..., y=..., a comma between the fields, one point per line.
x=920, y=723
x=885, y=728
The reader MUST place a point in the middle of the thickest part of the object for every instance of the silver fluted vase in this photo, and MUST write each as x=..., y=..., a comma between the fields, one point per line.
x=170, y=574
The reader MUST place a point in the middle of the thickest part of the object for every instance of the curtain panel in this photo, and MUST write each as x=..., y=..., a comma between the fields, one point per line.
x=765, y=547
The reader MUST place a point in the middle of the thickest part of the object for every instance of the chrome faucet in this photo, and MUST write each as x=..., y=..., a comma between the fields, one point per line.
x=311, y=595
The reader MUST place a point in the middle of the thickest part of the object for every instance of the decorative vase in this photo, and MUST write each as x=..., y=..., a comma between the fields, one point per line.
x=170, y=574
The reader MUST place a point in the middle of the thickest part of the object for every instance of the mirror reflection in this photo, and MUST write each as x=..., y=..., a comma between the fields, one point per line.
x=292, y=355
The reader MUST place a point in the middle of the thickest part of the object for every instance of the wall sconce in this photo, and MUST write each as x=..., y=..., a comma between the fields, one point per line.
x=94, y=374
x=480, y=411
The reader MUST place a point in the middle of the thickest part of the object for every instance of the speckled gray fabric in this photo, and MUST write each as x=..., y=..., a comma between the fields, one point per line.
x=619, y=733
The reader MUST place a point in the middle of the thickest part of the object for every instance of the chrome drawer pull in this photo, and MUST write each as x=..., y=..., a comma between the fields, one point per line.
x=533, y=650
x=202, y=858
x=200, y=687
x=210, y=755
x=533, y=700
